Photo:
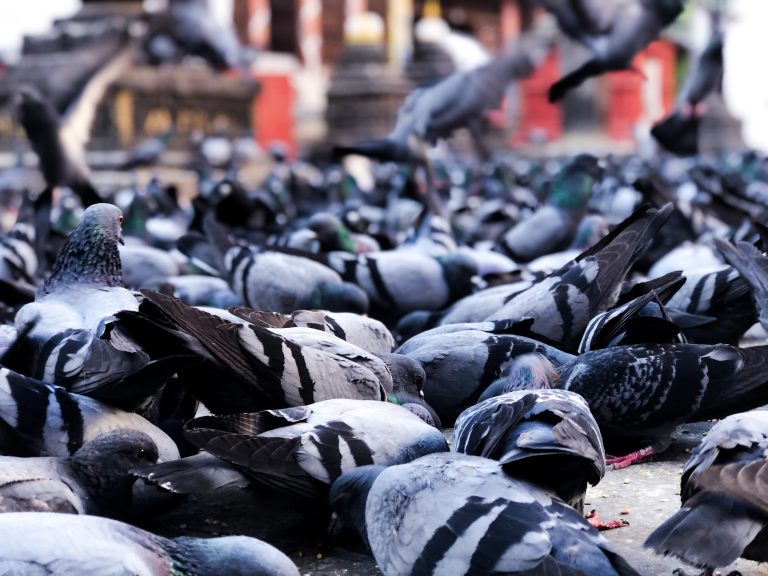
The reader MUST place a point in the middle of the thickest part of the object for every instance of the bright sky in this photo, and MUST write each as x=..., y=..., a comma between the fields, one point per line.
x=29, y=17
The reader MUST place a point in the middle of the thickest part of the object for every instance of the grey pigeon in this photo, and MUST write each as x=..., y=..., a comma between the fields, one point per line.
x=462, y=360
x=724, y=493
x=563, y=303
x=277, y=281
x=678, y=132
x=38, y=419
x=44, y=543
x=713, y=307
x=614, y=31
x=752, y=266
x=640, y=393
x=554, y=225
x=66, y=336
x=400, y=281
x=94, y=480
x=303, y=450
x=546, y=437
x=453, y=514
x=249, y=367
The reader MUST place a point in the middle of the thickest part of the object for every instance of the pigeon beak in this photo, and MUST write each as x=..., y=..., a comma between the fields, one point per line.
x=121, y=239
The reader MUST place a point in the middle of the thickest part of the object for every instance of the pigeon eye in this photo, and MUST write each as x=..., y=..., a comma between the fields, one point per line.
x=120, y=219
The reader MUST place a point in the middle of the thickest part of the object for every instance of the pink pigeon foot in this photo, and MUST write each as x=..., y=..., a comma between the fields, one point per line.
x=594, y=519
x=619, y=462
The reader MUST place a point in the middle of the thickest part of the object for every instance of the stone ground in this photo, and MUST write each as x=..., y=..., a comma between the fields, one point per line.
x=644, y=494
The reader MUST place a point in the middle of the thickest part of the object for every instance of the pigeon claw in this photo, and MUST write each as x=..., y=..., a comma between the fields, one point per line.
x=619, y=462
x=594, y=520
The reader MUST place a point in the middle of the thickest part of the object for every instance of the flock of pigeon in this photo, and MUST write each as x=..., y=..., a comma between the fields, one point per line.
x=323, y=336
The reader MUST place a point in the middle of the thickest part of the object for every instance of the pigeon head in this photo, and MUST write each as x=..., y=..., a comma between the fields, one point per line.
x=335, y=297
x=331, y=232
x=229, y=556
x=458, y=271
x=90, y=256
x=572, y=185
x=407, y=374
x=418, y=406
x=105, y=463
x=347, y=498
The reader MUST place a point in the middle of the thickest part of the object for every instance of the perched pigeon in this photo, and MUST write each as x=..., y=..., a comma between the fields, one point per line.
x=66, y=336
x=37, y=419
x=563, y=303
x=461, y=361
x=554, y=225
x=148, y=152
x=613, y=31
x=640, y=393
x=39, y=543
x=546, y=437
x=713, y=307
x=642, y=320
x=398, y=282
x=452, y=514
x=752, y=266
x=303, y=450
x=724, y=493
x=279, y=282
x=248, y=366
x=94, y=480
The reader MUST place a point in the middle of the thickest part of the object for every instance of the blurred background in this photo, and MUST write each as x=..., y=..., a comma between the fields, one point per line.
x=335, y=71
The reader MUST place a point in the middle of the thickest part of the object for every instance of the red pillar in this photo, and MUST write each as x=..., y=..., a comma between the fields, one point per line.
x=537, y=116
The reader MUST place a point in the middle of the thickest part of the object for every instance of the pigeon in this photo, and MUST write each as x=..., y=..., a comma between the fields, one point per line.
x=752, y=266
x=546, y=437
x=678, y=132
x=248, y=366
x=457, y=514
x=614, y=33
x=199, y=290
x=554, y=225
x=396, y=372
x=276, y=281
x=18, y=259
x=38, y=419
x=398, y=282
x=458, y=101
x=563, y=303
x=187, y=27
x=40, y=543
x=302, y=450
x=143, y=265
x=724, y=512
x=148, y=152
x=461, y=361
x=66, y=336
x=713, y=307
x=640, y=393
x=199, y=474
x=94, y=480
x=642, y=320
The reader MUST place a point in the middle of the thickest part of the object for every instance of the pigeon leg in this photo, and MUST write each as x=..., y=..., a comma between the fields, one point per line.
x=641, y=455
x=431, y=198
x=594, y=520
